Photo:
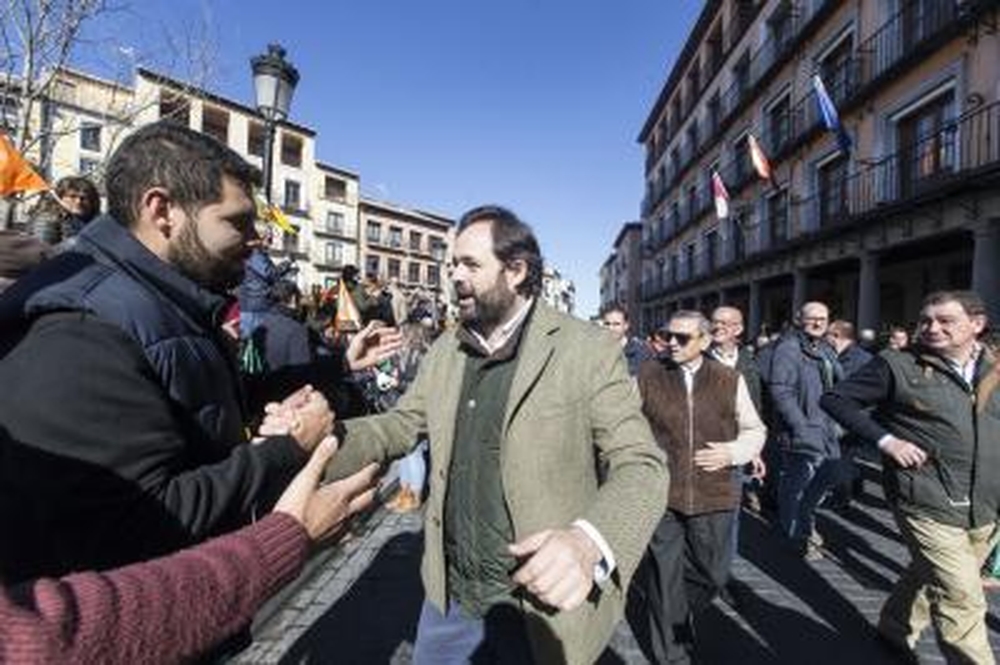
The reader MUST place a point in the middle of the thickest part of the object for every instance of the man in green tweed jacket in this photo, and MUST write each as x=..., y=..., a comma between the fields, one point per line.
x=545, y=482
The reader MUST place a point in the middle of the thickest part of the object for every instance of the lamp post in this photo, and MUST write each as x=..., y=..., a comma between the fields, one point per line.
x=274, y=81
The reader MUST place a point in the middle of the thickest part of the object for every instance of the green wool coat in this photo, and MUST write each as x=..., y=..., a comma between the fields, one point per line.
x=572, y=410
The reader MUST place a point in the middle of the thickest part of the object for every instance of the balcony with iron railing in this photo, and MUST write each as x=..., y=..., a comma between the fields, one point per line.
x=898, y=43
x=962, y=155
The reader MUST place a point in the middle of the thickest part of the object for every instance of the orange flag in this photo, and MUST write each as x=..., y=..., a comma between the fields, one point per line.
x=16, y=175
x=347, y=319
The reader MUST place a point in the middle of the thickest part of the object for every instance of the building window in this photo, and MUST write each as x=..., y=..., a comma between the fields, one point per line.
x=89, y=166
x=715, y=51
x=334, y=189
x=675, y=268
x=256, y=138
x=711, y=250
x=922, y=18
x=741, y=77
x=293, y=195
x=437, y=248
x=395, y=237
x=832, y=177
x=434, y=275
x=333, y=254
x=927, y=144
x=215, y=123
x=739, y=242
x=779, y=26
x=394, y=267
x=413, y=272
x=90, y=137
x=694, y=80
x=416, y=241
x=9, y=111
x=693, y=138
x=692, y=202
x=743, y=163
x=290, y=242
x=175, y=108
x=690, y=252
x=714, y=115
x=335, y=222
x=373, y=232
x=371, y=266
x=838, y=71
x=777, y=217
x=779, y=124
x=291, y=150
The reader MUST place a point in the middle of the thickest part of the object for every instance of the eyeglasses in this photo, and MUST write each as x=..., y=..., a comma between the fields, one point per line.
x=682, y=338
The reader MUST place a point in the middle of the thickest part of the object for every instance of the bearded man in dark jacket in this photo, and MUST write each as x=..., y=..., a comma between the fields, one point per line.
x=121, y=399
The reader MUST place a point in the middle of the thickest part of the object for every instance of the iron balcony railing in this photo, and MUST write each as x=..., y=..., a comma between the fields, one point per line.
x=962, y=154
x=917, y=26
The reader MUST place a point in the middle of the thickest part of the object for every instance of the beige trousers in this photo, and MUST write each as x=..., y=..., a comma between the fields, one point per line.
x=942, y=587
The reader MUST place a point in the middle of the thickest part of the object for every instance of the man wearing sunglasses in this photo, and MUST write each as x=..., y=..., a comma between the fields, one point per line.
x=702, y=415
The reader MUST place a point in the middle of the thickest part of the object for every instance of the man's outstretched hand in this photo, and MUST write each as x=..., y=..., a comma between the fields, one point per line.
x=324, y=510
x=371, y=345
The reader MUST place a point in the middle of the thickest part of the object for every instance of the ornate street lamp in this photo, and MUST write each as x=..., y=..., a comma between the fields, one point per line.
x=274, y=81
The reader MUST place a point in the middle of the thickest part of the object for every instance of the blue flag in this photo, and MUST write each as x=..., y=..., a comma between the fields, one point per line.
x=830, y=116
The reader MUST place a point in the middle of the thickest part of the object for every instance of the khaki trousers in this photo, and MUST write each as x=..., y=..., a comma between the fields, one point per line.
x=942, y=587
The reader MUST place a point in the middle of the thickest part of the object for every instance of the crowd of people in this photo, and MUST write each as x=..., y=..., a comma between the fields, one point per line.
x=831, y=399
x=179, y=424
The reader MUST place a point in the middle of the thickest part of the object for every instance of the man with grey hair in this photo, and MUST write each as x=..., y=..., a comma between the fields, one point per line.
x=803, y=367
x=703, y=417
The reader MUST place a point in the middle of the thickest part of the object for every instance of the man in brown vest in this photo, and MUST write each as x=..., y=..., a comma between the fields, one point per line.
x=702, y=416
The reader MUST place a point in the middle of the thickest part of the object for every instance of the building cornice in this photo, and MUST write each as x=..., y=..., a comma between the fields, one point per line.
x=194, y=91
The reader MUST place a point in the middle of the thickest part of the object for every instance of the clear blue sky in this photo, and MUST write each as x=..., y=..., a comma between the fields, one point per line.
x=447, y=104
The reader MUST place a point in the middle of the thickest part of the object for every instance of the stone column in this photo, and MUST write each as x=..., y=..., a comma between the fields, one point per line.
x=799, y=284
x=754, y=315
x=986, y=265
x=869, y=315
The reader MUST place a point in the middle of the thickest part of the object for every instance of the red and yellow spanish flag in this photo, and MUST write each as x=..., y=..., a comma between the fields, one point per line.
x=347, y=318
x=16, y=175
x=760, y=162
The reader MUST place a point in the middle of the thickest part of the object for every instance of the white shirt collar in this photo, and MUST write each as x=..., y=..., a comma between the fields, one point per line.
x=504, y=332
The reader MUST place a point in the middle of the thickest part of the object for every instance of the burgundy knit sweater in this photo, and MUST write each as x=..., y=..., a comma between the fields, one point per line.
x=163, y=610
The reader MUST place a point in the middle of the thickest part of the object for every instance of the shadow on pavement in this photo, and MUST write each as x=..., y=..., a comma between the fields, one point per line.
x=373, y=621
x=768, y=552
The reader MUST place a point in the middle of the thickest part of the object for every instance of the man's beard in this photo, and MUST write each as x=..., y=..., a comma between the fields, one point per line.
x=490, y=308
x=194, y=260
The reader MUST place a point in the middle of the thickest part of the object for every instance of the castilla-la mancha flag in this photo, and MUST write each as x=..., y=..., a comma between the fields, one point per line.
x=16, y=175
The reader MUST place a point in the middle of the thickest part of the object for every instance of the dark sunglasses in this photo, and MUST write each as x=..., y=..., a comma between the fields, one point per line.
x=682, y=338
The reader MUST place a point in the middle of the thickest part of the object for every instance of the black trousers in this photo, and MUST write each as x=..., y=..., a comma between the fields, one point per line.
x=688, y=563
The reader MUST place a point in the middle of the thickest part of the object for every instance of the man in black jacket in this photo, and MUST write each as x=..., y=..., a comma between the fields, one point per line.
x=121, y=399
x=936, y=419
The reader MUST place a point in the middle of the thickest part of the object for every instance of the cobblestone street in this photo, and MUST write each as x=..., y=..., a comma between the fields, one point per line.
x=359, y=603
